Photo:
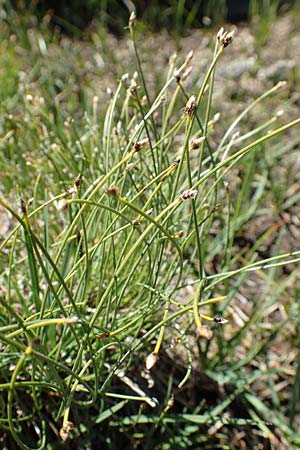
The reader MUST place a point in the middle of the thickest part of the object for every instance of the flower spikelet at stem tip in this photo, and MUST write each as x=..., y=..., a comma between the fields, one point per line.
x=132, y=20
x=132, y=90
x=71, y=320
x=189, y=57
x=140, y=144
x=189, y=194
x=124, y=77
x=220, y=320
x=190, y=106
x=225, y=37
x=197, y=142
x=175, y=162
x=112, y=191
x=65, y=430
x=186, y=73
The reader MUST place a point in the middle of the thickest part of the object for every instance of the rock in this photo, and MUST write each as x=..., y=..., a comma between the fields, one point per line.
x=278, y=71
x=5, y=219
x=235, y=69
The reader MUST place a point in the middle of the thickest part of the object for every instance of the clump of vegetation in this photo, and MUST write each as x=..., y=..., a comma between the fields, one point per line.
x=132, y=305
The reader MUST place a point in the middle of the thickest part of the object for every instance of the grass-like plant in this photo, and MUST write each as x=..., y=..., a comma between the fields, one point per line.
x=122, y=267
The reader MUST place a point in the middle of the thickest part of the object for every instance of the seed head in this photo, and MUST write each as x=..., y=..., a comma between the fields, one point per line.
x=225, y=37
x=197, y=142
x=170, y=402
x=220, y=320
x=112, y=191
x=64, y=432
x=281, y=83
x=220, y=33
x=189, y=57
x=62, y=204
x=124, y=78
x=132, y=20
x=70, y=191
x=177, y=76
x=176, y=161
x=228, y=38
x=128, y=167
x=77, y=181
x=104, y=335
x=186, y=73
x=71, y=320
x=140, y=144
x=190, y=193
x=162, y=99
x=190, y=105
x=214, y=120
x=172, y=59
x=133, y=89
